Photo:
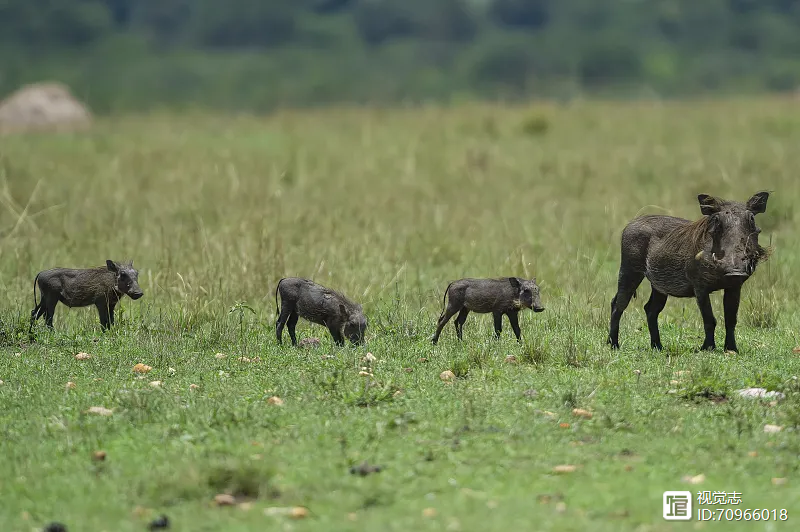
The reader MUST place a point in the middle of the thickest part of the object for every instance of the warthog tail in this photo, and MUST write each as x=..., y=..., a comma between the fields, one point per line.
x=277, y=287
x=34, y=289
x=444, y=298
x=35, y=306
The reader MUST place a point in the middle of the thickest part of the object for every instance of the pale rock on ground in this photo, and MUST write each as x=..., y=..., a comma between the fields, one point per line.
x=45, y=106
x=760, y=392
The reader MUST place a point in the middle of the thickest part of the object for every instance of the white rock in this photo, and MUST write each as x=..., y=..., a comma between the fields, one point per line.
x=760, y=392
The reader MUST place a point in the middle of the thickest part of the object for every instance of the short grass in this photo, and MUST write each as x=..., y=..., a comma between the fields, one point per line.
x=389, y=206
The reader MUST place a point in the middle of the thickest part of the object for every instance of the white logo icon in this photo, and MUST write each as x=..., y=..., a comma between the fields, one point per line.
x=677, y=505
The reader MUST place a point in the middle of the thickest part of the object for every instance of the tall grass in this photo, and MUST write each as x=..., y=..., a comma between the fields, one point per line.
x=389, y=206
x=379, y=202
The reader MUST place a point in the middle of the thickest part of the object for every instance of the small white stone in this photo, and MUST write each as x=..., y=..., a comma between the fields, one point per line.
x=759, y=392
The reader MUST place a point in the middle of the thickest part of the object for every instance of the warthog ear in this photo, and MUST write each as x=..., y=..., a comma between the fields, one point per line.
x=112, y=266
x=758, y=203
x=514, y=282
x=708, y=204
x=343, y=310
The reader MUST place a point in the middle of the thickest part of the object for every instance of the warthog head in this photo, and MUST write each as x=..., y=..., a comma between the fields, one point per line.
x=355, y=324
x=528, y=293
x=127, y=281
x=731, y=240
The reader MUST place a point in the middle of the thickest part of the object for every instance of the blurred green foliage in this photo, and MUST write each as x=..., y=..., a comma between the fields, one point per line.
x=255, y=54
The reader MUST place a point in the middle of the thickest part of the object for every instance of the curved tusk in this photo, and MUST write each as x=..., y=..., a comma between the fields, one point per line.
x=714, y=256
x=699, y=255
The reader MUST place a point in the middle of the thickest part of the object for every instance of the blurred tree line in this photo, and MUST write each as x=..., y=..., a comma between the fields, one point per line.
x=135, y=54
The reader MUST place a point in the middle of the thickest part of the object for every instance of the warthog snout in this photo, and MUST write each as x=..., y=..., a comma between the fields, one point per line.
x=728, y=266
x=355, y=328
x=537, y=302
x=737, y=274
x=738, y=268
x=735, y=266
x=356, y=340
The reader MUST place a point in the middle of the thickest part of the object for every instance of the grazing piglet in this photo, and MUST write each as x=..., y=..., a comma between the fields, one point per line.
x=682, y=258
x=102, y=287
x=320, y=305
x=499, y=296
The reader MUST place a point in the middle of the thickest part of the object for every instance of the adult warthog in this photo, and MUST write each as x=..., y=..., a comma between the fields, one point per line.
x=681, y=258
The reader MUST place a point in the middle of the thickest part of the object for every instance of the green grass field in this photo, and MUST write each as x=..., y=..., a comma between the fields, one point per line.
x=390, y=206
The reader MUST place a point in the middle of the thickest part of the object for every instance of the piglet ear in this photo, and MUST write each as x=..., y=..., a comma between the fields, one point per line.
x=112, y=266
x=514, y=282
x=343, y=309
